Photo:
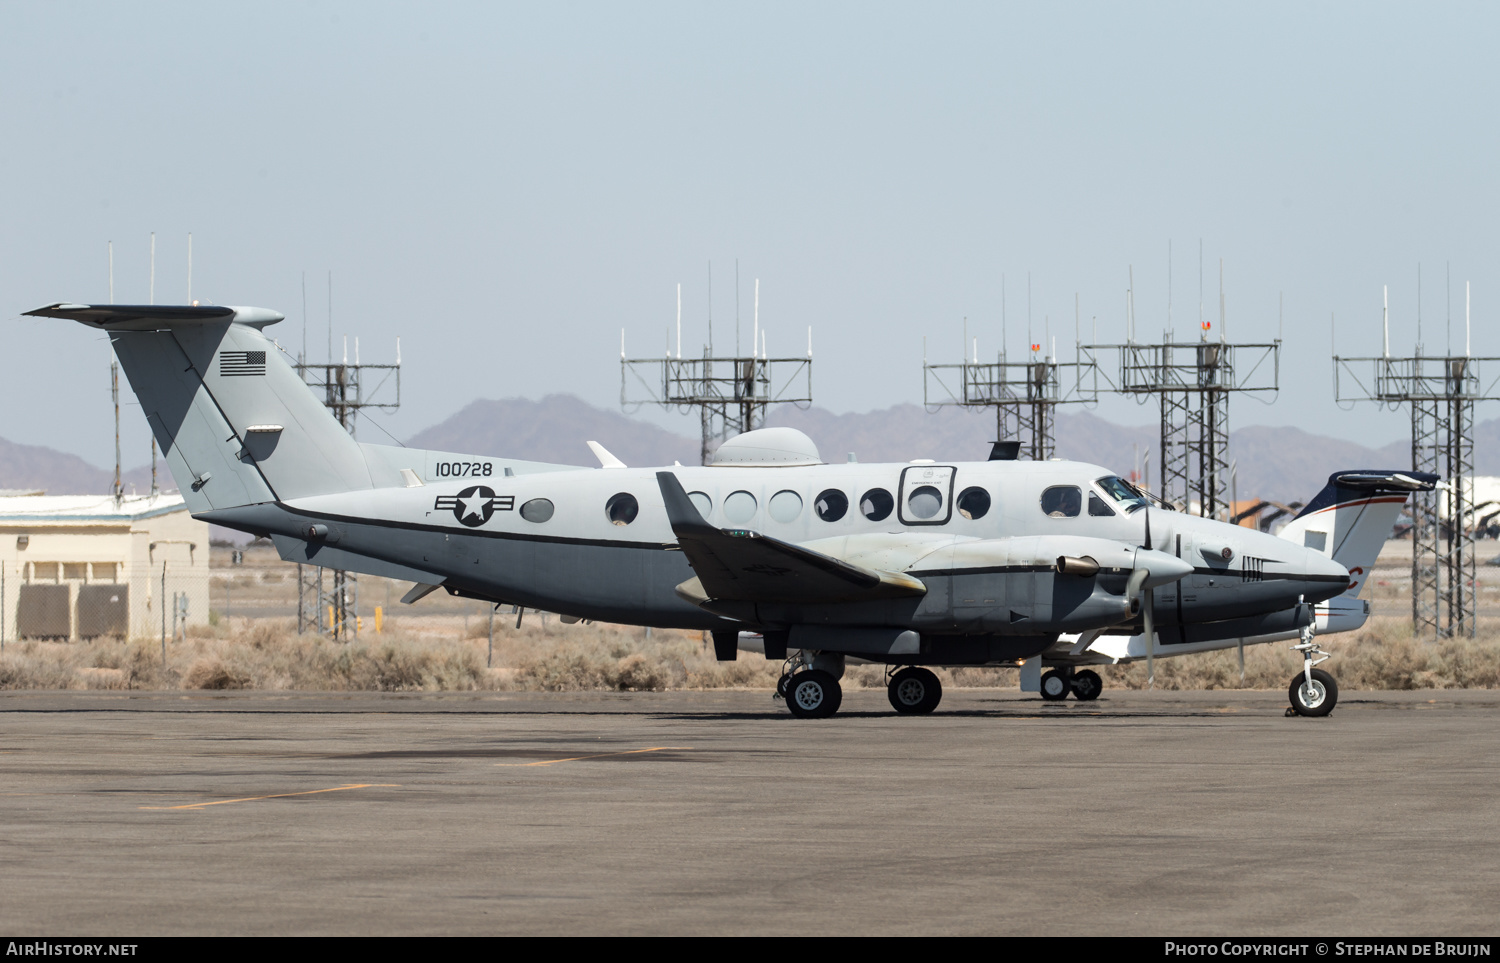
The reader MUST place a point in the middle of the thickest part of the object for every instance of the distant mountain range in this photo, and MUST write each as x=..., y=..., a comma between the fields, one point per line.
x=1282, y=464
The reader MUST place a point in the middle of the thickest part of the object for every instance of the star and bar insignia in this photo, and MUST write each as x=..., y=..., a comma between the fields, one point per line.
x=474, y=505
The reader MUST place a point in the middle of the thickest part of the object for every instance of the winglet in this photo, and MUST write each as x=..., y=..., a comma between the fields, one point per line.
x=681, y=512
x=606, y=460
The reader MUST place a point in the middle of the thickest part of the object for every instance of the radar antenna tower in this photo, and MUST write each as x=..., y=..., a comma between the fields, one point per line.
x=1192, y=382
x=730, y=393
x=1442, y=392
x=343, y=386
x=1025, y=394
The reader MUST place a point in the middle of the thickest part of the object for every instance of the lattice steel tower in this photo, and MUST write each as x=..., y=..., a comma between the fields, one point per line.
x=1442, y=392
x=1024, y=394
x=1192, y=381
x=731, y=393
x=333, y=609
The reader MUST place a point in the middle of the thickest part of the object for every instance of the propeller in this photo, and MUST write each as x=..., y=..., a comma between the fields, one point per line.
x=1136, y=588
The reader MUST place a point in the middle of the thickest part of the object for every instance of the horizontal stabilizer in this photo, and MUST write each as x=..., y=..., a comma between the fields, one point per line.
x=733, y=564
x=145, y=317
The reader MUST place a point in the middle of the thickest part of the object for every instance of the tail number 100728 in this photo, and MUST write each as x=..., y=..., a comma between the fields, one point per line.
x=464, y=469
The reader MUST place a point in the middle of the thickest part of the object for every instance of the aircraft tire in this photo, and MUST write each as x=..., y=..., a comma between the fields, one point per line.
x=914, y=691
x=1087, y=685
x=813, y=694
x=1055, y=687
x=1320, y=701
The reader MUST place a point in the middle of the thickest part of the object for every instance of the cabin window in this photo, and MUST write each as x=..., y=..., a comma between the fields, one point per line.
x=1097, y=508
x=924, y=501
x=1062, y=501
x=622, y=509
x=702, y=502
x=973, y=503
x=877, y=504
x=537, y=510
x=785, y=506
x=831, y=505
x=739, y=507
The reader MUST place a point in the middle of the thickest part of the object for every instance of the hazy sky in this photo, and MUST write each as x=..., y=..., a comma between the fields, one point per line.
x=505, y=187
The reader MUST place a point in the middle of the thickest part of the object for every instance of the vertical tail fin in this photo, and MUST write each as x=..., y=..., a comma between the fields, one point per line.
x=1350, y=519
x=237, y=424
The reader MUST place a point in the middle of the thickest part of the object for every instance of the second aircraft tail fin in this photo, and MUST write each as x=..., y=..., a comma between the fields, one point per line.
x=1350, y=519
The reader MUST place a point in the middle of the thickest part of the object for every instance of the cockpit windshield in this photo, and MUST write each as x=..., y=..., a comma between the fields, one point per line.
x=1123, y=492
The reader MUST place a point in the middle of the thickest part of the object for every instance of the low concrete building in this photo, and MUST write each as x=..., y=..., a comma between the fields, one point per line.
x=83, y=566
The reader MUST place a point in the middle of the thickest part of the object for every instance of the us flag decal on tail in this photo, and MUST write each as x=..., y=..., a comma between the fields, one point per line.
x=239, y=363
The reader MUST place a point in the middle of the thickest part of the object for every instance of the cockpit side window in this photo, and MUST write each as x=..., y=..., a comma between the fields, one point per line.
x=1122, y=492
x=1062, y=501
x=1098, y=508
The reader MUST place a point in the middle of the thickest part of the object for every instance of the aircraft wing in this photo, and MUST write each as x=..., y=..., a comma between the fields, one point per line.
x=734, y=564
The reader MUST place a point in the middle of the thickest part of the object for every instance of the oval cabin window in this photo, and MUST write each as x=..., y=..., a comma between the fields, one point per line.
x=621, y=509
x=785, y=506
x=537, y=510
x=1062, y=501
x=739, y=507
x=974, y=503
x=877, y=504
x=924, y=501
x=831, y=505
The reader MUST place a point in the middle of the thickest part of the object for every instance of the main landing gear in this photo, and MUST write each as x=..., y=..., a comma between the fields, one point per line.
x=914, y=691
x=810, y=686
x=1312, y=692
x=1058, y=683
x=813, y=694
x=812, y=691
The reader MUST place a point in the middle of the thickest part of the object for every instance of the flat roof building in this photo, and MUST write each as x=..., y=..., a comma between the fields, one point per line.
x=84, y=566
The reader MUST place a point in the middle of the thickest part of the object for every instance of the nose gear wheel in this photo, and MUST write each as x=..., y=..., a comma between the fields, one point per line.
x=1312, y=691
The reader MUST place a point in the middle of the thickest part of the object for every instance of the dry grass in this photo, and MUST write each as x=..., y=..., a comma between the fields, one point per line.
x=267, y=654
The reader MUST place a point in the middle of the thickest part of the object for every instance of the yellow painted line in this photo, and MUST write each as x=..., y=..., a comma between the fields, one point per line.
x=598, y=755
x=280, y=795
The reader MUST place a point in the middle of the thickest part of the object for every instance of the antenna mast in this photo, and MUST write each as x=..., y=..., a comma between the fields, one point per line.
x=731, y=394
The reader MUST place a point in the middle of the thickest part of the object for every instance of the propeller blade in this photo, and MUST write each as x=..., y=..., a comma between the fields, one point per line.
x=1136, y=588
x=1147, y=600
x=1148, y=526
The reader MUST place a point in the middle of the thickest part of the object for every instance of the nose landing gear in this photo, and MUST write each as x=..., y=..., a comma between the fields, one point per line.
x=1312, y=692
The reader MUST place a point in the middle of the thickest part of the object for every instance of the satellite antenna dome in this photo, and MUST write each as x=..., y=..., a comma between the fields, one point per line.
x=767, y=448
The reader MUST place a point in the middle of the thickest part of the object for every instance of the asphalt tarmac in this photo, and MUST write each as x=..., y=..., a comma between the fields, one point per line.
x=1147, y=813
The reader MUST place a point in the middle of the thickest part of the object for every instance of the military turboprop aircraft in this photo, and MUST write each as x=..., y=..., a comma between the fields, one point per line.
x=910, y=565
